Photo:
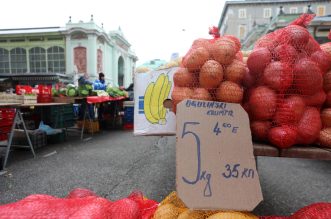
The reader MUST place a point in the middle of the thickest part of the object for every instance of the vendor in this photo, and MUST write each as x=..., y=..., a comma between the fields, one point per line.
x=100, y=83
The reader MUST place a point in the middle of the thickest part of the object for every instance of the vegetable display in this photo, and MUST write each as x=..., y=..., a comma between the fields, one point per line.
x=284, y=86
x=213, y=69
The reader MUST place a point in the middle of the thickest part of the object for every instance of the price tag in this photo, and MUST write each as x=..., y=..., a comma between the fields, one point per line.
x=215, y=164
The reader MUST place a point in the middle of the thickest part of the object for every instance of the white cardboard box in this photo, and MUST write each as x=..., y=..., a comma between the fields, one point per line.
x=150, y=89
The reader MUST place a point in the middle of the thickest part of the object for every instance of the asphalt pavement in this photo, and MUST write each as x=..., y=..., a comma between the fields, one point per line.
x=114, y=163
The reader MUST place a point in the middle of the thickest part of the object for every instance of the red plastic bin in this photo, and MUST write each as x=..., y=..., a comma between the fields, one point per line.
x=128, y=126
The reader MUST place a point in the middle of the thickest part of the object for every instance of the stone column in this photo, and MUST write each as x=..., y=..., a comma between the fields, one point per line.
x=69, y=56
x=92, y=56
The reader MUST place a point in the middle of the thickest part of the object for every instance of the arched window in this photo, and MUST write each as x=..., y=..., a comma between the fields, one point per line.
x=4, y=61
x=80, y=59
x=18, y=60
x=56, y=59
x=99, y=60
x=120, y=71
x=37, y=60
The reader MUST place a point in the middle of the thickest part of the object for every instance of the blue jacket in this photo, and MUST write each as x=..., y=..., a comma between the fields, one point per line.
x=99, y=85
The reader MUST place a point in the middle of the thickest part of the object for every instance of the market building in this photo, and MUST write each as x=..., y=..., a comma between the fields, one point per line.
x=52, y=54
x=248, y=20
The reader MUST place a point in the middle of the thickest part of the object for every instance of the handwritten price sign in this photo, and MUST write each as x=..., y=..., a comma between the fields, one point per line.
x=215, y=165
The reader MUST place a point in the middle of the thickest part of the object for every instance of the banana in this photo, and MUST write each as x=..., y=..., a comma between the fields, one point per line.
x=164, y=97
x=154, y=104
x=147, y=103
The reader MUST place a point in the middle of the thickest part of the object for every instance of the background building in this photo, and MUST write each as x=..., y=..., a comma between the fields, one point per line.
x=250, y=19
x=57, y=53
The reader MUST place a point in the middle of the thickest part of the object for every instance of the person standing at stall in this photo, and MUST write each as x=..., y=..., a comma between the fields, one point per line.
x=100, y=84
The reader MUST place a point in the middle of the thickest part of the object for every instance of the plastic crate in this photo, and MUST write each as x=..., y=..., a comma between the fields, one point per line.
x=60, y=116
x=38, y=138
x=62, y=124
x=56, y=138
x=4, y=130
x=128, y=114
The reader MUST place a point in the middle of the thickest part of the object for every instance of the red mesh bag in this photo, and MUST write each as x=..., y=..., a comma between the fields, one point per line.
x=80, y=193
x=284, y=86
x=45, y=206
x=314, y=211
x=212, y=69
x=273, y=217
x=325, y=133
x=80, y=203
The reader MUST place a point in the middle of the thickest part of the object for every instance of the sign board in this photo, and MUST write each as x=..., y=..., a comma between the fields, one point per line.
x=215, y=164
x=151, y=89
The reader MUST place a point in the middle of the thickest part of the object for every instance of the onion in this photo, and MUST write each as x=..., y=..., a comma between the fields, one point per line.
x=258, y=60
x=278, y=76
x=322, y=59
x=229, y=92
x=180, y=93
x=316, y=100
x=296, y=35
x=223, y=51
x=183, y=78
x=232, y=215
x=283, y=136
x=309, y=126
x=200, y=43
x=328, y=99
x=235, y=72
x=311, y=47
x=201, y=94
x=167, y=211
x=239, y=56
x=263, y=103
x=125, y=208
x=211, y=74
x=192, y=214
x=326, y=47
x=325, y=137
x=327, y=81
x=267, y=41
x=195, y=58
x=235, y=40
x=260, y=130
x=326, y=117
x=307, y=77
x=248, y=80
x=285, y=53
x=290, y=111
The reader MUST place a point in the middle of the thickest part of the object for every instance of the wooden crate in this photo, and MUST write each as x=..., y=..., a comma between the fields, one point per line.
x=90, y=126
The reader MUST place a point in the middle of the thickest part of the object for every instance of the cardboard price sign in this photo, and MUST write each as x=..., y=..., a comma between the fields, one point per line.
x=215, y=164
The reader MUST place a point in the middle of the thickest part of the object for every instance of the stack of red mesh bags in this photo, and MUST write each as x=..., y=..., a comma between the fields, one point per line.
x=212, y=69
x=80, y=203
x=285, y=86
x=325, y=134
x=313, y=211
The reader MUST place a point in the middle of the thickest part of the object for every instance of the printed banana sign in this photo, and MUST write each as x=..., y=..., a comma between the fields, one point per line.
x=156, y=93
x=151, y=90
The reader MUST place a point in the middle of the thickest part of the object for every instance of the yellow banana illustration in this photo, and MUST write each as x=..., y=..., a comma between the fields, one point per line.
x=147, y=103
x=164, y=97
x=161, y=100
x=155, y=95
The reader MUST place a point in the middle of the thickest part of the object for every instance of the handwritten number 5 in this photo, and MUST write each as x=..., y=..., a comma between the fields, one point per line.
x=197, y=139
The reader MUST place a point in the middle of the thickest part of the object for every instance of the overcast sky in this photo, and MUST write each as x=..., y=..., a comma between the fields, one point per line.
x=155, y=28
